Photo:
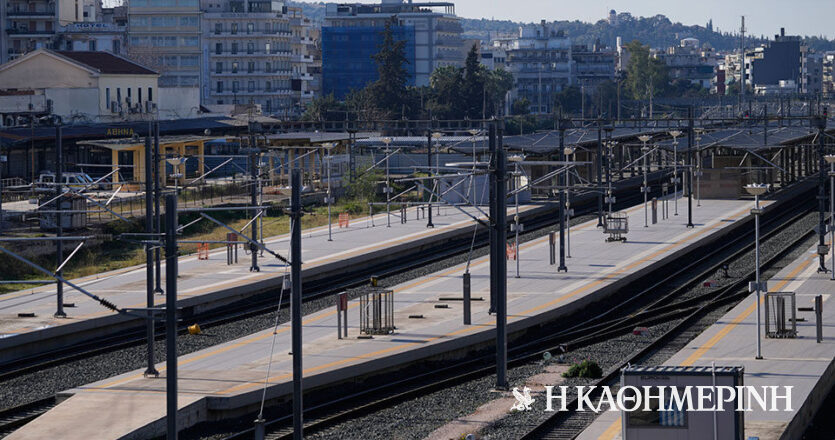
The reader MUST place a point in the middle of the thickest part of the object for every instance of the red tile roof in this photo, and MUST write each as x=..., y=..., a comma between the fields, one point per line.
x=106, y=62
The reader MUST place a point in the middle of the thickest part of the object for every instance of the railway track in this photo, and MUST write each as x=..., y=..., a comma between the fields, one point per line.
x=14, y=417
x=643, y=308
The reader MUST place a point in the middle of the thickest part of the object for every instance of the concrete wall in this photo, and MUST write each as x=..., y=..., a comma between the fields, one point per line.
x=134, y=83
x=45, y=71
x=75, y=105
x=178, y=102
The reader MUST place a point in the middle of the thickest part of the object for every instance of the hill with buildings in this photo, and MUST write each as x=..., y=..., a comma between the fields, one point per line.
x=657, y=31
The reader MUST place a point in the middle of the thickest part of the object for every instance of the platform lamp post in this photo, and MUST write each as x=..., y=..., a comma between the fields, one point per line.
x=387, y=141
x=516, y=227
x=610, y=198
x=675, y=134
x=329, y=199
x=176, y=162
x=473, y=133
x=437, y=136
x=699, y=132
x=756, y=190
x=645, y=189
x=830, y=159
x=569, y=155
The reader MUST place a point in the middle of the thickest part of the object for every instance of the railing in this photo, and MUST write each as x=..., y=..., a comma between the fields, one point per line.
x=28, y=32
x=30, y=13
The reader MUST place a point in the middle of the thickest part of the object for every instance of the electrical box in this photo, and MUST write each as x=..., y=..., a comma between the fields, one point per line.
x=671, y=422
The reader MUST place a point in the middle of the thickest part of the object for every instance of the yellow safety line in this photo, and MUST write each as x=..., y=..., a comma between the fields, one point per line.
x=614, y=428
x=388, y=350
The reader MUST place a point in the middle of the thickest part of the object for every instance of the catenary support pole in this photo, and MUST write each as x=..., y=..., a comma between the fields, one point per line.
x=296, y=301
x=561, y=182
x=171, y=314
x=491, y=133
x=253, y=196
x=689, y=174
x=157, y=211
x=821, y=126
x=429, y=223
x=599, y=172
x=150, y=370
x=501, y=262
x=59, y=223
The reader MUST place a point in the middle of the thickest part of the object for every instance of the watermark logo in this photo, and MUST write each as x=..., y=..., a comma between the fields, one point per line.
x=523, y=399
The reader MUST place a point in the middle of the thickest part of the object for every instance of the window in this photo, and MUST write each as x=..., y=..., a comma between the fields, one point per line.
x=117, y=47
x=234, y=48
x=107, y=97
x=218, y=48
x=234, y=87
x=250, y=28
x=218, y=28
x=267, y=67
x=139, y=95
x=91, y=45
x=235, y=67
x=234, y=28
x=150, y=94
x=251, y=86
x=129, y=100
x=267, y=88
x=250, y=48
x=119, y=95
x=218, y=67
x=250, y=67
x=267, y=48
x=220, y=86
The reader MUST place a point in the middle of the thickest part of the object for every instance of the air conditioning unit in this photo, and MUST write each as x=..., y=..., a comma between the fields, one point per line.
x=114, y=106
x=9, y=121
x=138, y=107
x=150, y=106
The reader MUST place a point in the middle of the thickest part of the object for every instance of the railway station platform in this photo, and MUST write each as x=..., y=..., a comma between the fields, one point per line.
x=802, y=363
x=27, y=324
x=228, y=378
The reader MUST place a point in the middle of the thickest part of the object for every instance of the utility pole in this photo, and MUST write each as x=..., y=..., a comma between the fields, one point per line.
x=499, y=254
x=150, y=370
x=157, y=212
x=171, y=314
x=296, y=301
x=59, y=244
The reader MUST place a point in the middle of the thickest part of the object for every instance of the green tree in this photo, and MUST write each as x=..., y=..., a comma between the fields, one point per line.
x=473, y=87
x=569, y=99
x=447, y=97
x=323, y=108
x=645, y=76
x=497, y=83
x=389, y=90
x=520, y=107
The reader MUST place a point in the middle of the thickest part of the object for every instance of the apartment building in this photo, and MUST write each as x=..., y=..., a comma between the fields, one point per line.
x=28, y=25
x=258, y=52
x=352, y=34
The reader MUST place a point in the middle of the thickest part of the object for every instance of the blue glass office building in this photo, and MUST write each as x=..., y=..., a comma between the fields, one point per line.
x=346, y=56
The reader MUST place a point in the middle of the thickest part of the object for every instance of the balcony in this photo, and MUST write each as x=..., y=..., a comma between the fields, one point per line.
x=256, y=92
x=21, y=32
x=303, y=76
x=245, y=54
x=254, y=34
x=34, y=14
x=254, y=73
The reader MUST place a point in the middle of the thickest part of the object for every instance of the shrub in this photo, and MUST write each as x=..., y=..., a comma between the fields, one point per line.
x=587, y=368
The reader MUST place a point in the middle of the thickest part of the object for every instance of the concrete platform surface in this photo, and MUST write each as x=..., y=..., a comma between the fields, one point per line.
x=232, y=375
x=126, y=287
x=800, y=363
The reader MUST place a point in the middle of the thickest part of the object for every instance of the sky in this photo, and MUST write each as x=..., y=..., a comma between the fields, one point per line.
x=766, y=17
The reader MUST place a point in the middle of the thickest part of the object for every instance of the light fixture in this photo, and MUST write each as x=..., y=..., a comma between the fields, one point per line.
x=644, y=138
x=757, y=189
x=829, y=158
x=675, y=133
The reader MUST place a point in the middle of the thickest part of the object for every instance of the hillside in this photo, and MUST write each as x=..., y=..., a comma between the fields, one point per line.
x=658, y=31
